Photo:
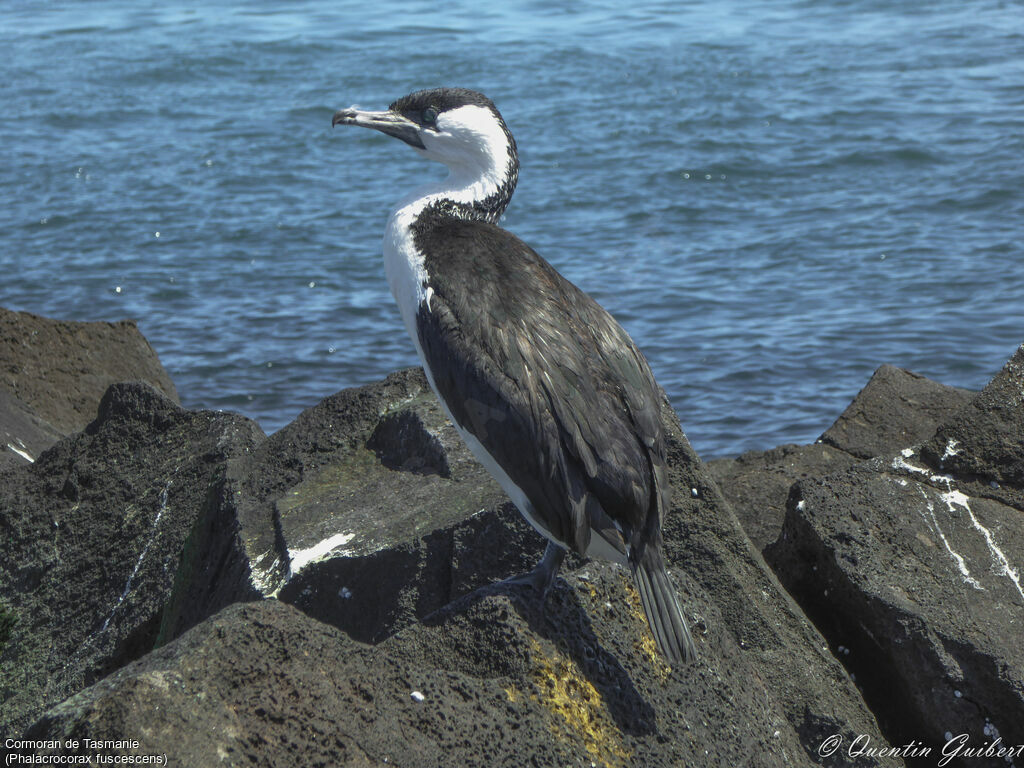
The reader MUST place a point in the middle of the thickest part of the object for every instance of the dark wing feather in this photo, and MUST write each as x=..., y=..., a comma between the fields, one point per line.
x=523, y=357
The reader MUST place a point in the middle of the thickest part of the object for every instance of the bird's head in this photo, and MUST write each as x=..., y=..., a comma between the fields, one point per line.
x=455, y=126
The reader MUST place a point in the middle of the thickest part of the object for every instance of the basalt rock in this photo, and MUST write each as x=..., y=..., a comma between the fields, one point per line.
x=757, y=483
x=92, y=535
x=367, y=511
x=376, y=505
x=492, y=680
x=894, y=410
x=23, y=435
x=982, y=445
x=331, y=594
x=911, y=566
x=60, y=369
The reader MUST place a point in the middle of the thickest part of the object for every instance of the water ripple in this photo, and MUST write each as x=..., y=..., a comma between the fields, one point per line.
x=775, y=196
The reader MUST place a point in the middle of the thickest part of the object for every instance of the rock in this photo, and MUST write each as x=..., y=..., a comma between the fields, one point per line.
x=983, y=443
x=434, y=695
x=23, y=435
x=918, y=579
x=896, y=409
x=504, y=678
x=393, y=526
x=60, y=369
x=494, y=679
x=92, y=536
x=757, y=483
x=377, y=588
x=367, y=512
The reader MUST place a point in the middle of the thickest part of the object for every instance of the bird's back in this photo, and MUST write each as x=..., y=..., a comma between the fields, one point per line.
x=530, y=359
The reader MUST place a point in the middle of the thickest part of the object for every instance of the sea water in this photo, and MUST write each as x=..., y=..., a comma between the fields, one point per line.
x=774, y=197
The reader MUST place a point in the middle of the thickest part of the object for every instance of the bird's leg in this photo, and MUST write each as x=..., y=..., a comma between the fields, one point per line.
x=543, y=574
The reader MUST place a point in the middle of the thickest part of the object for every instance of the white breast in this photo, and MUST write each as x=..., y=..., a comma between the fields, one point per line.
x=404, y=267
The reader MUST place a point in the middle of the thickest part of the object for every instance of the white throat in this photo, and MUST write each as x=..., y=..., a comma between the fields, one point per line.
x=476, y=150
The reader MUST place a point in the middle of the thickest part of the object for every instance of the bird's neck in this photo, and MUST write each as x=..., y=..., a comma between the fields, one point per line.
x=480, y=191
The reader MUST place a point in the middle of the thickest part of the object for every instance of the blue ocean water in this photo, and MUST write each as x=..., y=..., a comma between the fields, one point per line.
x=773, y=196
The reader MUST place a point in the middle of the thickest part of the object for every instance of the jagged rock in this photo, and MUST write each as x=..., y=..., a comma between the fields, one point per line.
x=493, y=679
x=378, y=536
x=756, y=483
x=896, y=409
x=394, y=574
x=369, y=515
x=509, y=680
x=23, y=435
x=983, y=444
x=92, y=534
x=60, y=369
x=366, y=512
x=918, y=579
x=480, y=684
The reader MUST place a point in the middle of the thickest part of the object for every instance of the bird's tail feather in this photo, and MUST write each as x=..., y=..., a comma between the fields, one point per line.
x=664, y=613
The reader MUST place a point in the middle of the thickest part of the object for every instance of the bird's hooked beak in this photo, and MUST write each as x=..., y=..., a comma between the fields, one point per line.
x=389, y=122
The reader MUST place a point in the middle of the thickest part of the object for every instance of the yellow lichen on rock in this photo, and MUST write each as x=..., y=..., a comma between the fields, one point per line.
x=577, y=708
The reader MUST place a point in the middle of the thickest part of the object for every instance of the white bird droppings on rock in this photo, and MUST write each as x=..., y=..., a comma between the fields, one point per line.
x=300, y=558
x=23, y=453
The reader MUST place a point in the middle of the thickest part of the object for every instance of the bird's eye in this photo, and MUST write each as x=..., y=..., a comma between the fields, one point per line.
x=429, y=115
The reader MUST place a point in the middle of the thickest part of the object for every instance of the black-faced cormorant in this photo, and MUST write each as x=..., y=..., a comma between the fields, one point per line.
x=548, y=391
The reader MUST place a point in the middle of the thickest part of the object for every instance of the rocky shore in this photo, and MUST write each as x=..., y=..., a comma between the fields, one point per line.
x=177, y=583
